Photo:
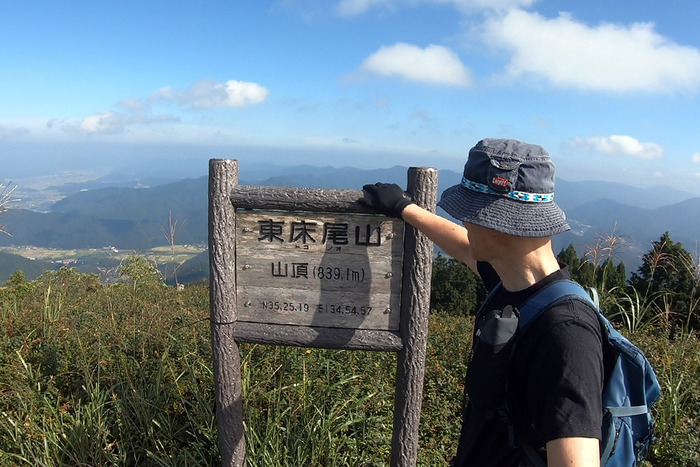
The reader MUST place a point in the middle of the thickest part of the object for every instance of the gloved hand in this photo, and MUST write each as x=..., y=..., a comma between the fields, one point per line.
x=385, y=198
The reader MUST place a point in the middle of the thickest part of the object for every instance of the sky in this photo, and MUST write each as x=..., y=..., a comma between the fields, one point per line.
x=609, y=89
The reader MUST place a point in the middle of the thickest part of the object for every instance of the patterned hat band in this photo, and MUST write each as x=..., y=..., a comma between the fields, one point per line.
x=513, y=194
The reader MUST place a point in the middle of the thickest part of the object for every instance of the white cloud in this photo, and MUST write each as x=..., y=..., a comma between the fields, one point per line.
x=607, y=57
x=166, y=93
x=696, y=158
x=621, y=145
x=434, y=64
x=109, y=122
x=208, y=94
x=132, y=105
x=103, y=122
x=202, y=95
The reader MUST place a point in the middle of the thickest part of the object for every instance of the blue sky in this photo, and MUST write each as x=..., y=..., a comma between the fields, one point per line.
x=610, y=89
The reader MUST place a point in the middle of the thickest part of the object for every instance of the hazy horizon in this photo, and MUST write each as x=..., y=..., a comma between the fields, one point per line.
x=609, y=89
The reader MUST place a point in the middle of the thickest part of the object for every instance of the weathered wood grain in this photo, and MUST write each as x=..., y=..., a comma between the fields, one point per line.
x=231, y=290
x=302, y=268
x=327, y=338
x=223, y=176
x=297, y=199
x=418, y=252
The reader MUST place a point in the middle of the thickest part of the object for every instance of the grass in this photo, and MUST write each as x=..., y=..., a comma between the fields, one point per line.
x=121, y=375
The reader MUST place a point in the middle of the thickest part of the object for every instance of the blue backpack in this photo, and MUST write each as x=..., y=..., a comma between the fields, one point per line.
x=629, y=391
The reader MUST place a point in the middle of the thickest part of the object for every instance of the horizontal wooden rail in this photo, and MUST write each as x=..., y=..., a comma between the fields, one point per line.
x=297, y=199
x=309, y=336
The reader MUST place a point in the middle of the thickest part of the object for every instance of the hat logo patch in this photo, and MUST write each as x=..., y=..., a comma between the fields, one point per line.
x=500, y=182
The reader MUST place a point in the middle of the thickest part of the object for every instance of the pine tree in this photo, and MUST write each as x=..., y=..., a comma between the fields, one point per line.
x=569, y=257
x=669, y=274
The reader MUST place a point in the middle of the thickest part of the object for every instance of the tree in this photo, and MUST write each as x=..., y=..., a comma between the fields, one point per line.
x=569, y=257
x=18, y=283
x=609, y=276
x=455, y=290
x=580, y=269
x=597, y=269
x=140, y=272
x=586, y=274
x=669, y=274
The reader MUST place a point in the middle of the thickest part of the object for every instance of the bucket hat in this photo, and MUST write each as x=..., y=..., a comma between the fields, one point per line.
x=507, y=186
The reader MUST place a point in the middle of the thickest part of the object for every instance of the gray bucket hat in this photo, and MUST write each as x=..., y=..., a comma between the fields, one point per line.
x=508, y=186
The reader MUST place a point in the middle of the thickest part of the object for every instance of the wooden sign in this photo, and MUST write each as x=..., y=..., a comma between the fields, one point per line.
x=284, y=271
x=319, y=269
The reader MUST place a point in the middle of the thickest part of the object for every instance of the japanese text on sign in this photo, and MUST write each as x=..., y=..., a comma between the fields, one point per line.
x=329, y=270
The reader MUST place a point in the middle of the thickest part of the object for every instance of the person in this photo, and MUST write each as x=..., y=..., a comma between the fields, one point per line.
x=555, y=374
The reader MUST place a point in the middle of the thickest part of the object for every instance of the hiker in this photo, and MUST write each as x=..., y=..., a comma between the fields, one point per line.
x=543, y=394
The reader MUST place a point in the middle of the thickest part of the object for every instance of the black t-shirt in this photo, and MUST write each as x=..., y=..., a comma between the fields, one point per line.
x=554, y=385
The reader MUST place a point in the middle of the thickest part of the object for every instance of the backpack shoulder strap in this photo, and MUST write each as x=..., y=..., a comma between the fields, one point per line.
x=548, y=296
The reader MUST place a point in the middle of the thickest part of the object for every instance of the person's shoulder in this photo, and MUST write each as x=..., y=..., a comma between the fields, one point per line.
x=571, y=315
x=568, y=311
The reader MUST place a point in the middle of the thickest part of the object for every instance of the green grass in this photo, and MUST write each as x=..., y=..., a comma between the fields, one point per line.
x=121, y=375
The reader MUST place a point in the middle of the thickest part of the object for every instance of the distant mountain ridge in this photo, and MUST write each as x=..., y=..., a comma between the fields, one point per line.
x=134, y=218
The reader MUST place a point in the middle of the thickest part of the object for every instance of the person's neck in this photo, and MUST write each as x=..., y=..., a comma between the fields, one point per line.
x=524, y=263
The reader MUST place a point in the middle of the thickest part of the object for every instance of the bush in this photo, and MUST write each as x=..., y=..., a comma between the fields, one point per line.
x=94, y=374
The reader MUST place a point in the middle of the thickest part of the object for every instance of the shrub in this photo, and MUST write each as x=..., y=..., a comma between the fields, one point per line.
x=94, y=374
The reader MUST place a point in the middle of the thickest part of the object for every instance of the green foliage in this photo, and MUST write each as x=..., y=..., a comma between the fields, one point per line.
x=288, y=426
x=140, y=272
x=86, y=379
x=17, y=286
x=630, y=309
x=144, y=278
x=581, y=270
x=610, y=276
x=449, y=343
x=569, y=257
x=633, y=305
x=669, y=276
x=18, y=281
x=94, y=374
x=677, y=413
x=456, y=290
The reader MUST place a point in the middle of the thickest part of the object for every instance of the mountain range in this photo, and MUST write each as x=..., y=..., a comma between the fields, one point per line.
x=129, y=216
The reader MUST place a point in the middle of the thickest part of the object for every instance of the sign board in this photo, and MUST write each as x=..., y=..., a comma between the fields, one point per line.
x=319, y=269
x=283, y=270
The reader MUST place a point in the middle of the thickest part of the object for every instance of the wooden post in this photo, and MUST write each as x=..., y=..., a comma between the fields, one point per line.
x=415, y=304
x=223, y=177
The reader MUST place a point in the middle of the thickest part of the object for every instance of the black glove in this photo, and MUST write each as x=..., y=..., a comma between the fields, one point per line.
x=385, y=198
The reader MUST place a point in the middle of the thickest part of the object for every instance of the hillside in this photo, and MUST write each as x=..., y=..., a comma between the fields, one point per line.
x=9, y=263
x=573, y=194
x=138, y=218
x=126, y=218
x=637, y=225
